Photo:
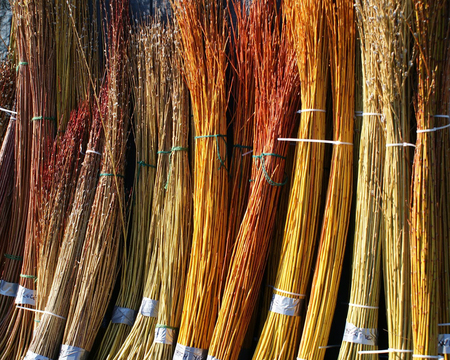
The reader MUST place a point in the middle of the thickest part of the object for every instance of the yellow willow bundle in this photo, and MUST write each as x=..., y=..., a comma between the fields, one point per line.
x=276, y=103
x=395, y=56
x=361, y=328
x=341, y=33
x=98, y=265
x=155, y=51
x=282, y=328
x=203, y=38
x=176, y=238
x=431, y=22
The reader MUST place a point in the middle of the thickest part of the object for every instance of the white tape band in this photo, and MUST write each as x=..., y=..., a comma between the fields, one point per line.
x=183, y=352
x=93, y=152
x=444, y=344
x=363, y=306
x=149, y=307
x=32, y=356
x=433, y=129
x=285, y=305
x=8, y=111
x=122, y=315
x=25, y=296
x=317, y=141
x=8, y=289
x=418, y=356
x=384, y=351
x=41, y=312
x=356, y=335
x=401, y=144
x=310, y=110
x=69, y=352
x=165, y=335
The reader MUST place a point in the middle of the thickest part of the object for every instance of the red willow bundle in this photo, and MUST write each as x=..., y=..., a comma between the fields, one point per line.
x=7, y=94
x=203, y=38
x=341, y=35
x=98, y=265
x=277, y=99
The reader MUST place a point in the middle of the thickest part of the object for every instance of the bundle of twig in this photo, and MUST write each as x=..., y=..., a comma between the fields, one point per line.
x=361, y=329
x=124, y=337
x=98, y=265
x=202, y=30
x=48, y=335
x=276, y=103
x=281, y=332
x=431, y=22
x=7, y=94
x=176, y=238
x=341, y=34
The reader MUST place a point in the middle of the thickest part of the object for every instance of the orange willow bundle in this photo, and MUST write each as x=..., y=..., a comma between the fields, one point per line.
x=431, y=23
x=281, y=333
x=341, y=33
x=277, y=90
x=202, y=31
x=98, y=265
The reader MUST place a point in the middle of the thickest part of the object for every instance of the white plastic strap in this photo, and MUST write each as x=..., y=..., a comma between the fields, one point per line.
x=401, y=144
x=164, y=335
x=93, y=152
x=444, y=344
x=69, y=352
x=310, y=110
x=329, y=346
x=248, y=152
x=41, y=312
x=363, y=306
x=149, y=307
x=442, y=116
x=371, y=114
x=317, y=141
x=210, y=357
x=8, y=111
x=8, y=289
x=356, y=335
x=25, y=296
x=433, y=130
x=359, y=113
x=12, y=118
x=444, y=324
x=183, y=352
x=286, y=292
x=32, y=356
x=418, y=356
x=384, y=351
x=285, y=305
x=122, y=315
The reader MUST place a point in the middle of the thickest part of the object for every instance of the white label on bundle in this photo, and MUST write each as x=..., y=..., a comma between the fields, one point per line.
x=8, y=289
x=189, y=353
x=165, y=335
x=123, y=315
x=356, y=335
x=285, y=305
x=69, y=352
x=32, y=356
x=149, y=307
x=25, y=296
x=444, y=344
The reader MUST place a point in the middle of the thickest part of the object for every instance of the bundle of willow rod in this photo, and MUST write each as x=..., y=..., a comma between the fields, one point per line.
x=107, y=227
x=176, y=238
x=361, y=328
x=203, y=38
x=48, y=335
x=341, y=35
x=126, y=337
x=282, y=328
x=431, y=22
x=276, y=103
x=7, y=94
x=243, y=97
x=22, y=157
x=394, y=81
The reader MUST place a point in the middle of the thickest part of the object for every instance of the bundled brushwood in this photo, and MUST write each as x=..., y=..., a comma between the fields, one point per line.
x=276, y=103
x=159, y=89
x=431, y=23
x=203, y=38
x=7, y=94
x=176, y=222
x=327, y=272
x=48, y=335
x=282, y=328
x=107, y=227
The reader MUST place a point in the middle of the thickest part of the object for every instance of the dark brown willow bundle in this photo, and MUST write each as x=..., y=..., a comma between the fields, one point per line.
x=7, y=94
x=276, y=103
x=431, y=23
x=341, y=35
x=106, y=228
x=203, y=37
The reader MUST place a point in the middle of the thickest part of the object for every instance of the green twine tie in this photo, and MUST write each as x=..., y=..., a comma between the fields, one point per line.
x=28, y=277
x=218, y=136
x=13, y=257
x=161, y=326
x=107, y=174
x=142, y=164
x=175, y=148
x=263, y=167
x=37, y=118
x=22, y=63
